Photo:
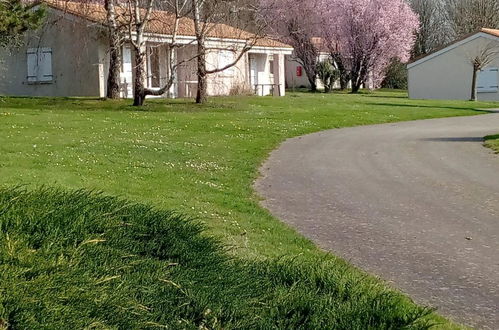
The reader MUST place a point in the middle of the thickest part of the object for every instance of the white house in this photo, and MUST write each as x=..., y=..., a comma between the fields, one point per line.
x=296, y=77
x=447, y=73
x=68, y=56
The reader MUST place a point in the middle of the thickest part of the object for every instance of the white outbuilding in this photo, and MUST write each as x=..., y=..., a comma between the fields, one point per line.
x=447, y=73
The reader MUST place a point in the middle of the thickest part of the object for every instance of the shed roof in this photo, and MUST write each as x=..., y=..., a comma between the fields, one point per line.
x=492, y=32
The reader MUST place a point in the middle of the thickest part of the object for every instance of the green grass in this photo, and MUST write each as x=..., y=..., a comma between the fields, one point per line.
x=81, y=260
x=198, y=160
x=492, y=142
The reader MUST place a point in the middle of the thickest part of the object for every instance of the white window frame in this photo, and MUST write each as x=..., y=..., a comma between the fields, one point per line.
x=271, y=68
x=488, y=80
x=39, y=65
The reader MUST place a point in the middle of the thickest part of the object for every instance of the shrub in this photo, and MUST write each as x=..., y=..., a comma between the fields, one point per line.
x=328, y=74
x=396, y=76
x=241, y=88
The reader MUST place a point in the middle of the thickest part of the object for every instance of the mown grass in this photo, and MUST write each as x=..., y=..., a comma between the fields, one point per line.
x=74, y=260
x=492, y=142
x=198, y=160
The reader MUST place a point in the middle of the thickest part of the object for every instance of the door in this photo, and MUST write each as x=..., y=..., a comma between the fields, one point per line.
x=253, y=72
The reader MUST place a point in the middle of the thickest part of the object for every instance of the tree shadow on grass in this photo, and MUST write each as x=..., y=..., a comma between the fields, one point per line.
x=90, y=104
x=72, y=259
x=435, y=107
x=399, y=97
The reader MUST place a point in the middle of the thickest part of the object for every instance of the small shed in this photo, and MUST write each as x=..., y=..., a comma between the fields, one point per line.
x=447, y=73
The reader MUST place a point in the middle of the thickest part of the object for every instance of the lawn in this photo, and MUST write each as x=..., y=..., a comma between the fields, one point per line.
x=200, y=161
x=78, y=260
x=492, y=141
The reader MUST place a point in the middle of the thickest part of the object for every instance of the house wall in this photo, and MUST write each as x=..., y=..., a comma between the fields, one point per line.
x=448, y=76
x=231, y=80
x=295, y=81
x=77, y=61
x=292, y=79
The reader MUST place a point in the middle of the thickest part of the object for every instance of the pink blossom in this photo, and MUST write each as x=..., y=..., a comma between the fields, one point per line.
x=370, y=34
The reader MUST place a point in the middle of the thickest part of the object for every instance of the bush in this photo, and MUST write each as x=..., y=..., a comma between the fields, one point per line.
x=396, y=76
x=328, y=74
x=72, y=260
x=241, y=88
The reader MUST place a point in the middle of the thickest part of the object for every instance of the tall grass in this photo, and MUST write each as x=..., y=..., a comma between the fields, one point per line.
x=80, y=259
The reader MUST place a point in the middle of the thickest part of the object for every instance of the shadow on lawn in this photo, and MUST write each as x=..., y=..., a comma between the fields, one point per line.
x=401, y=105
x=121, y=105
x=76, y=258
x=399, y=97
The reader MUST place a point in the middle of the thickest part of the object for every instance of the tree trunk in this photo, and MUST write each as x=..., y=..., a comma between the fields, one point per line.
x=359, y=75
x=327, y=88
x=312, y=79
x=356, y=87
x=344, y=81
x=356, y=82
x=113, y=78
x=139, y=90
x=202, y=90
x=473, y=84
x=344, y=74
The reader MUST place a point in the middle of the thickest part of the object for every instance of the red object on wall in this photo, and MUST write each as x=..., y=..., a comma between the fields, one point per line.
x=299, y=71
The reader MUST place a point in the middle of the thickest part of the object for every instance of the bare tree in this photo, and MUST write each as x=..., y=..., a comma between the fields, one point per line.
x=140, y=16
x=115, y=42
x=341, y=63
x=307, y=54
x=138, y=20
x=297, y=23
x=468, y=16
x=432, y=32
x=206, y=15
x=137, y=16
x=482, y=58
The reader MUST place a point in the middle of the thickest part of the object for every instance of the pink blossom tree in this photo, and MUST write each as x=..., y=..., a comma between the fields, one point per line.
x=369, y=34
x=297, y=23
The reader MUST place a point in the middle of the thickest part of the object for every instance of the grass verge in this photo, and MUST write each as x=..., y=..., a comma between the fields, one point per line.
x=74, y=260
x=492, y=142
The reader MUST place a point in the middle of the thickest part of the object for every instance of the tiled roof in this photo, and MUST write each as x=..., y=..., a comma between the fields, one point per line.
x=161, y=22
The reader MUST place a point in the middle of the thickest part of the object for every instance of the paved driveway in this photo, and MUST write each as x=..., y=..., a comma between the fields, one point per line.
x=416, y=203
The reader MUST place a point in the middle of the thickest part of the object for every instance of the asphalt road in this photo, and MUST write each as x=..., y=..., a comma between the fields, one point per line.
x=416, y=203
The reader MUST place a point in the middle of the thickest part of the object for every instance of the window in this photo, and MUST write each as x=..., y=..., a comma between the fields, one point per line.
x=488, y=80
x=271, y=66
x=153, y=71
x=226, y=57
x=271, y=69
x=39, y=62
